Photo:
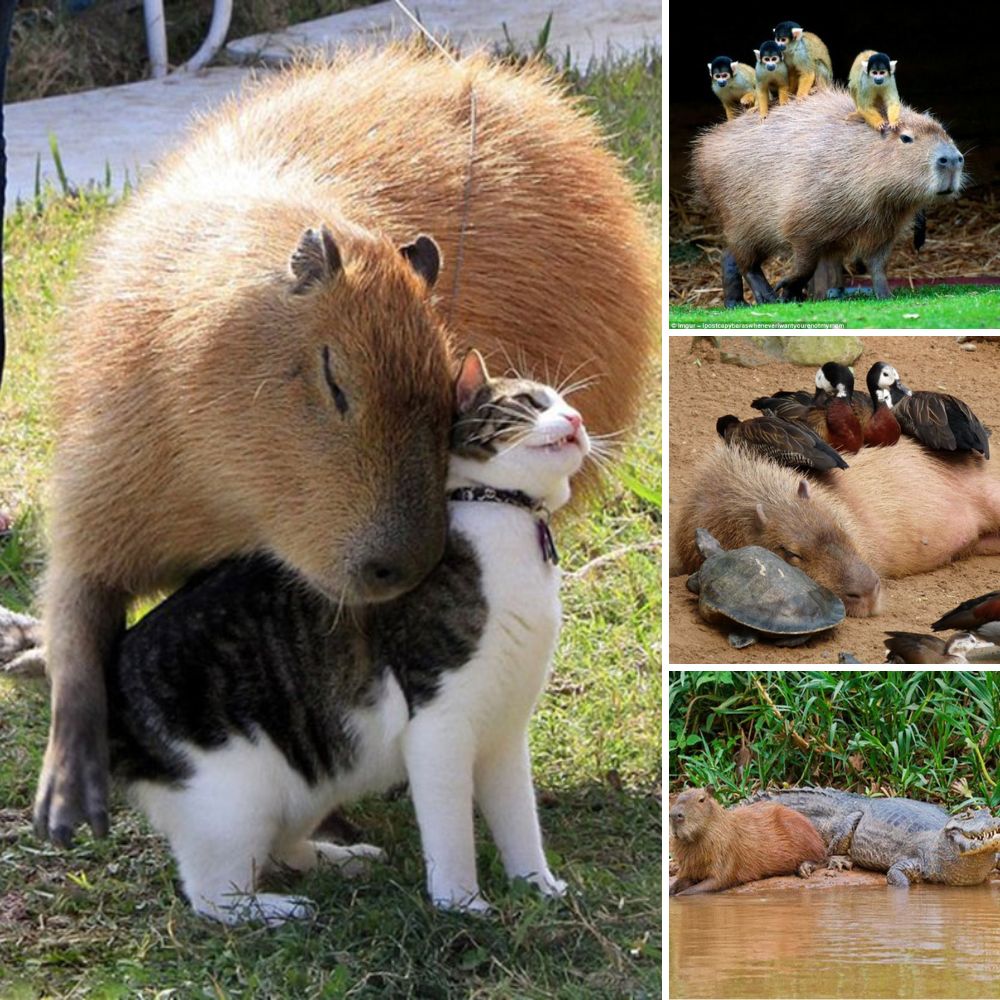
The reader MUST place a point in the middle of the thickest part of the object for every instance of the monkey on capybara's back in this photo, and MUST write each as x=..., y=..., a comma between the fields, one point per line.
x=255, y=361
x=717, y=848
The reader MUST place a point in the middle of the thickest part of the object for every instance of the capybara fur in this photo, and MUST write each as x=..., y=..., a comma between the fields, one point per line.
x=255, y=362
x=718, y=848
x=815, y=180
x=895, y=512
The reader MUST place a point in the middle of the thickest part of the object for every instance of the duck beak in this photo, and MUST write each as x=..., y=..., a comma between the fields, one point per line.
x=906, y=390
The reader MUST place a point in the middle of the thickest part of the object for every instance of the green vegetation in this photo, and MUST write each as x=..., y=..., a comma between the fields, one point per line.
x=105, y=918
x=943, y=307
x=930, y=735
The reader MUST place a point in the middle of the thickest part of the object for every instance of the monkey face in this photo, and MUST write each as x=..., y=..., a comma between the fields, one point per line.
x=879, y=68
x=721, y=78
x=720, y=70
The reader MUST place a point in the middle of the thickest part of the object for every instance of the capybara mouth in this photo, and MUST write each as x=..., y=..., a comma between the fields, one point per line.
x=864, y=605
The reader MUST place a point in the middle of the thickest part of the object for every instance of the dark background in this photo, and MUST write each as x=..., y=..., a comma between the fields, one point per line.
x=947, y=55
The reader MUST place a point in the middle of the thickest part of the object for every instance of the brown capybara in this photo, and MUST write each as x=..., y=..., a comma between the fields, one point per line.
x=718, y=848
x=254, y=361
x=895, y=512
x=817, y=181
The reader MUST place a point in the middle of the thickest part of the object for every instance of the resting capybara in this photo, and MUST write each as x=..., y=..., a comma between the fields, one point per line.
x=895, y=512
x=717, y=848
x=254, y=361
x=815, y=180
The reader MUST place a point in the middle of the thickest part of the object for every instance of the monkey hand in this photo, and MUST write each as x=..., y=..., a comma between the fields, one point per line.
x=888, y=127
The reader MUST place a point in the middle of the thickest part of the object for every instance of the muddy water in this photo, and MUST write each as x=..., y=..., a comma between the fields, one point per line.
x=928, y=941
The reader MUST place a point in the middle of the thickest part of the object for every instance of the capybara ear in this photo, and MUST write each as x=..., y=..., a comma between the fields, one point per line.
x=710, y=789
x=314, y=259
x=471, y=379
x=803, y=490
x=761, y=516
x=424, y=257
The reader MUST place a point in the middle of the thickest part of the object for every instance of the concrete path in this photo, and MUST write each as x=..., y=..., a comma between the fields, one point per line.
x=126, y=128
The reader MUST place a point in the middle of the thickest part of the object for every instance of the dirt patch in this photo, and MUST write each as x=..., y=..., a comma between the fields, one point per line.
x=701, y=389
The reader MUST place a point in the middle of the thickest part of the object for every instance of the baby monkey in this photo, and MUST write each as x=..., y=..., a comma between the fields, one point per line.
x=772, y=76
x=873, y=86
x=733, y=83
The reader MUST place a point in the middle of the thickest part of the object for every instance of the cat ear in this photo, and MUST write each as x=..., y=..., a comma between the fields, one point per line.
x=424, y=257
x=471, y=379
x=314, y=259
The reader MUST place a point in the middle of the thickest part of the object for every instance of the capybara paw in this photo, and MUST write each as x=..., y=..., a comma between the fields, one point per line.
x=72, y=789
x=839, y=862
x=806, y=869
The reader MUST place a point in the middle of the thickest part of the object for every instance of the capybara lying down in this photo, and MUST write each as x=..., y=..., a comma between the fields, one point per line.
x=261, y=352
x=815, y=180
x=895, y=512
x=717, y=848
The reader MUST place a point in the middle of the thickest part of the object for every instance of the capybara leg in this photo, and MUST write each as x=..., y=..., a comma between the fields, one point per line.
x=705, y=885
x=763, y=293
x=792, y=288
x=806, y=81
x=876, y=268
x=732, y=282
x=829, y=274
x=680, y=884
x=82, y=620
x=988, y=545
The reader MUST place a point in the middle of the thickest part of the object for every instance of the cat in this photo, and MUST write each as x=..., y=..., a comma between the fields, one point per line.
x=247, y=706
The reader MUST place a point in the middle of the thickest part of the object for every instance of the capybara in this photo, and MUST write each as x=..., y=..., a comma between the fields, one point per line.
x=717, y=848
x=254, y=361
x=816, y=180
x=895, y=512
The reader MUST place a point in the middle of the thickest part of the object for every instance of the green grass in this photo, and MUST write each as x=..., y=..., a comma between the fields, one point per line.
x=944, y=307
x=931, y=735
x=105, y=919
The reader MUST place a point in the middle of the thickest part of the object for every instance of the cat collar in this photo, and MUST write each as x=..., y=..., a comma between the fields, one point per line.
x=516, y=498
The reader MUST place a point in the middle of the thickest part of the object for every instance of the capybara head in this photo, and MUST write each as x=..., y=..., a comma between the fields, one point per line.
x=803, y=532
x=348, y=406
x=691, y=811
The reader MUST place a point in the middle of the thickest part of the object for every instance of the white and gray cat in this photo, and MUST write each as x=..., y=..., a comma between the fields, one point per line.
x=245, y=707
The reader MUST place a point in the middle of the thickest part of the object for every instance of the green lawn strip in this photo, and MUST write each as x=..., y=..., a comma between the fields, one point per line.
x=105, y=919
x=930, y=735
x=955, y=307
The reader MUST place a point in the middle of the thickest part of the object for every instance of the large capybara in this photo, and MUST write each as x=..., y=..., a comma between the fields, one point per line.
x=895, y=512
x=817, y=181
x=254, y=361
x=718, y=848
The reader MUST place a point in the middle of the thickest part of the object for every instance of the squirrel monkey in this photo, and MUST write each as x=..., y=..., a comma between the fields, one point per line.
x=808, y=59
x=872, y=84
x=733, y=83
x=772, y=76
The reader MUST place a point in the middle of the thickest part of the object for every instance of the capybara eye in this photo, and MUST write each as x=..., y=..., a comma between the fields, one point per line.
x=906, y=138
x=339, y=399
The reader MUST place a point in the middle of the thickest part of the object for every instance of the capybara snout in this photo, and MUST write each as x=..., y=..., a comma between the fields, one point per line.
x=948, y=170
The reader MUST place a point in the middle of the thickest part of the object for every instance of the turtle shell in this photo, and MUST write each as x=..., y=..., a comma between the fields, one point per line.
x=756, y=588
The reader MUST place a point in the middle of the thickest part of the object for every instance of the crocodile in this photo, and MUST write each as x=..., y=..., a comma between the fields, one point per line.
x=909, y=840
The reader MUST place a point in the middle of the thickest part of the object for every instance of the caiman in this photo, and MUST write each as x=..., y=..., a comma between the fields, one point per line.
x=911, y=841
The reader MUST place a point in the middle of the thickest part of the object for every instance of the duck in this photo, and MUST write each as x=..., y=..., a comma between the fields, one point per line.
x=913, y=647
x=830, y=412
x=879, y=423
x=979, y=615
x=786, y=442
x=938, y=420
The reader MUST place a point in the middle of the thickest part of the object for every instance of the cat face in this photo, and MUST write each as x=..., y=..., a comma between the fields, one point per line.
x=515, y=434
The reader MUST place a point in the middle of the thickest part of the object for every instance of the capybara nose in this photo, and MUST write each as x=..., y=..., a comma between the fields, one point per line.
x=950, y=159
x=388, y=577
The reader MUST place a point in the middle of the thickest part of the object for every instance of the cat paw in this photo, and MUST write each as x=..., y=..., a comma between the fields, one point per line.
x=268, y=908
x=350, y=861
x=548, y=884
x=463, y=903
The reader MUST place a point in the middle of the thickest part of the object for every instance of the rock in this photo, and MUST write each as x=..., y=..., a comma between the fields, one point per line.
x=751, y=352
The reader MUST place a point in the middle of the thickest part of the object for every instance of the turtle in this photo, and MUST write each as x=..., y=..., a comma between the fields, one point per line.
x=758, y=595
